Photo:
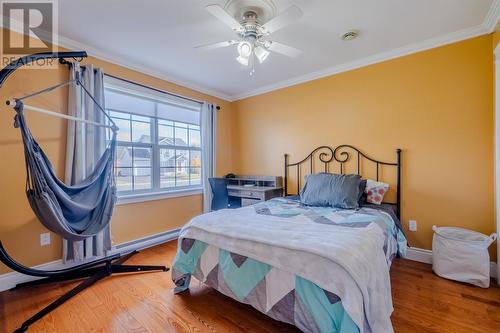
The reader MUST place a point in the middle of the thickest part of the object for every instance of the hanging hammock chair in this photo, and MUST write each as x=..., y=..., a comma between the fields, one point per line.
x=74, y=212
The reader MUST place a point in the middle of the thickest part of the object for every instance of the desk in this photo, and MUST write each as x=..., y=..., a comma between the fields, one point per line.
x=253, y=189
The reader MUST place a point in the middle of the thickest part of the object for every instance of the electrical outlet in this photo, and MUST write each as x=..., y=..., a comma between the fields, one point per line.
x=45, y=239
x=412, y=225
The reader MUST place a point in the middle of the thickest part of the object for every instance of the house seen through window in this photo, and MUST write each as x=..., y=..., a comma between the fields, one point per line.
x=159, y=141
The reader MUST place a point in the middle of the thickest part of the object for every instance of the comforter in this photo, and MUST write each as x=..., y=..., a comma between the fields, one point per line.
x=321, y=269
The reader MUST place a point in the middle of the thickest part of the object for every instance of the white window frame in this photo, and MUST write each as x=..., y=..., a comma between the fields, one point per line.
x=156, y=192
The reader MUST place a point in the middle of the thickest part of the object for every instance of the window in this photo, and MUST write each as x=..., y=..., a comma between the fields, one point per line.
x=159, y=141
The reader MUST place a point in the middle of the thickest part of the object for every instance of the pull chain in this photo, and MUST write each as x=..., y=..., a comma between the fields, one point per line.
x=252, y=61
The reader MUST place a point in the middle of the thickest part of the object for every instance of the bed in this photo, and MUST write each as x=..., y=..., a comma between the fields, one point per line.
x=322, y=269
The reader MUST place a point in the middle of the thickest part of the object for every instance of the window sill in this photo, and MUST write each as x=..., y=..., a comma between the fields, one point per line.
x=143, y=197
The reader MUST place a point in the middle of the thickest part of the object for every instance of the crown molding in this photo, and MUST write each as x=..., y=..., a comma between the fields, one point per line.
x=487, y=26
x=71, y=44
x=102, y=55
x=377, y=58
x=491, y=20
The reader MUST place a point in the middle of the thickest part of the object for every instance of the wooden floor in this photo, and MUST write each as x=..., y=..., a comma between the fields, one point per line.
x=145, y=303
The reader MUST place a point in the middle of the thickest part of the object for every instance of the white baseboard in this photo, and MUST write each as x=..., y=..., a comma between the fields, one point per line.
x=10, y=280
x=145, y=242
x=425, y=256
x=420, y=255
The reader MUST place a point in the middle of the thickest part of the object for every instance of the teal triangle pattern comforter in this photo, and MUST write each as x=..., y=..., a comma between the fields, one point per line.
x=277, y=293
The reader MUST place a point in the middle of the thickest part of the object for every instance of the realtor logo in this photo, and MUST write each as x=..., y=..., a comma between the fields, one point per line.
x=28, y=26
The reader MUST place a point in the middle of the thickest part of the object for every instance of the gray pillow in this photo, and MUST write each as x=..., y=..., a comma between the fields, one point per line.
x=328, y=189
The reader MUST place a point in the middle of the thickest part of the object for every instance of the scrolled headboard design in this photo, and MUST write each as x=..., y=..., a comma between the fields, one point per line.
x=343, y=155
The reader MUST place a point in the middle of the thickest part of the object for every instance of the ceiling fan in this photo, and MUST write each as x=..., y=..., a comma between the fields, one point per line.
x=253, y=35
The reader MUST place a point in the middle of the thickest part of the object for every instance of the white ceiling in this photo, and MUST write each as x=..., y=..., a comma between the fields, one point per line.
x=157, y=37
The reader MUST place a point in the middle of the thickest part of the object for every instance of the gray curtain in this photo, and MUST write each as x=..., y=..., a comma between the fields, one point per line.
x=208, y=144
x=84, y=147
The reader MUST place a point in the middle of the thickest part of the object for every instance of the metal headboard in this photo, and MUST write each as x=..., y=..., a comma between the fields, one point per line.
x=342, y=155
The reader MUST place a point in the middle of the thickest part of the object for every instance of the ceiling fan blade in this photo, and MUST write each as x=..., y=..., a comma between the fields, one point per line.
x=218, y=45
x=288, y=16
x=284, y=49
x=224, y=16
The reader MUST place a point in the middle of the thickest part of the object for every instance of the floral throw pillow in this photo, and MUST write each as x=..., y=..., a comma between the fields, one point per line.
x=375, y=191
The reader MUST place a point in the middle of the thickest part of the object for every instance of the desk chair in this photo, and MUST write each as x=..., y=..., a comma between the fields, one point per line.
x=220, y=199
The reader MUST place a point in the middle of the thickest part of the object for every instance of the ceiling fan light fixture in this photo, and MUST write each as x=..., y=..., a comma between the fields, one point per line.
x=242, y=60
x=261, y=53
x=248, y=22
x=245, y=49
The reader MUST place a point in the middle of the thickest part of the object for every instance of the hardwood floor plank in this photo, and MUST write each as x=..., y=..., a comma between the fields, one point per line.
x=113, y=311
x=143, y=303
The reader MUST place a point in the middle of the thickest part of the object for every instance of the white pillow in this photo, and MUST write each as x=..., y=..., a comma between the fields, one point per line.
x=375, y=191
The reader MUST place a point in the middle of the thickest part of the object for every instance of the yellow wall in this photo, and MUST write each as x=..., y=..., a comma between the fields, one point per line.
x=19, y=228
x=436, y=105
x=495, y=38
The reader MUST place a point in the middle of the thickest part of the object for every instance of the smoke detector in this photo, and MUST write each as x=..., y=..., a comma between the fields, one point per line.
x=350, y=35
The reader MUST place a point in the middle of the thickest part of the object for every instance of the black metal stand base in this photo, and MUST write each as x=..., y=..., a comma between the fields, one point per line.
x=92, y=274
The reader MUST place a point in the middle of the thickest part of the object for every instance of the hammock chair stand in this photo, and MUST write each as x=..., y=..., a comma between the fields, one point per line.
x=92, y=271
